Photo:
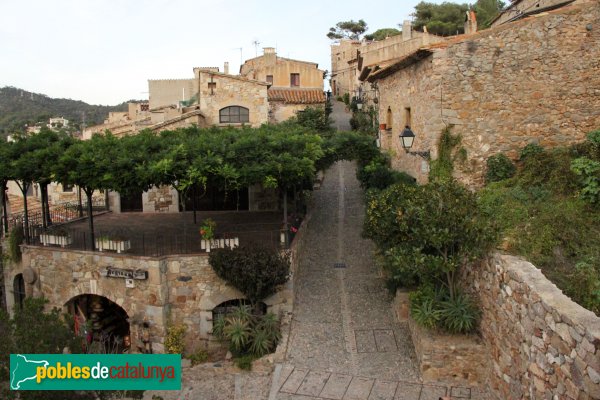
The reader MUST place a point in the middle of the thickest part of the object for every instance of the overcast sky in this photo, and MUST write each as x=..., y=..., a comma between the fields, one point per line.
x=104, y=51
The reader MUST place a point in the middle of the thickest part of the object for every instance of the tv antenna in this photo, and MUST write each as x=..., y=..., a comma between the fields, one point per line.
x=256, y=43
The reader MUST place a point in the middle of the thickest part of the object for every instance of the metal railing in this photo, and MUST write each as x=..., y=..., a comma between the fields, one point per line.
x=124, y=241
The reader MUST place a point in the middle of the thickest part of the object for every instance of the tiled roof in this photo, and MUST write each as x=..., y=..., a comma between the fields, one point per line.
x=296, y=96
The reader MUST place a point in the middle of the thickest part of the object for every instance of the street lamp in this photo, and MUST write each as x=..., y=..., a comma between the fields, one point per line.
x=359, y=104
x=407, y=138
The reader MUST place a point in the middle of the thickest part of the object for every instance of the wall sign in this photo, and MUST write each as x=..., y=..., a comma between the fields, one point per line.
x=111, y=272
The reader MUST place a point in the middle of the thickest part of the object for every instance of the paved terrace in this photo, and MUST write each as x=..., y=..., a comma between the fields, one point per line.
x=175, y=233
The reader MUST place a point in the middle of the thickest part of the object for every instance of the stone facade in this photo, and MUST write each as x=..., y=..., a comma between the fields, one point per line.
x=166, y=92
x=541, y=345
x=536, y=80
x=218, y=90
x=178, y=290
x=161, y=199
x=344, y=73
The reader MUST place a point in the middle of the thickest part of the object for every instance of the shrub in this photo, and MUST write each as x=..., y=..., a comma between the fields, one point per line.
x=339, y=98
x=314, y=118
x=589, y=171
x=530, y=150
x=15, y=239
x=378, y=175
x=449, y=151
x=174, y=343
x=585, y=285
x=254, y=271
x=198, y=357
x=499, y=168
x=244, y=362
x=346, y=98
x=550, y=169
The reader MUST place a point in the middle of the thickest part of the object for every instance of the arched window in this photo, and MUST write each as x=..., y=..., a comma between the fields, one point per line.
x=19, y=290
x=234, y=114
x=389, y=119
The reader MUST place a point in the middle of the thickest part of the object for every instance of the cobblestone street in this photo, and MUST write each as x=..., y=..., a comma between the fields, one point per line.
x=345, y=342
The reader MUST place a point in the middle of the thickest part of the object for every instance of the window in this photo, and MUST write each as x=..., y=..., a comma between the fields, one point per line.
x=66, y=187
x=407, y=117
x=212, y=86
x=389, y=119
x=270, y=79
x=234, y=114
x=294, y=79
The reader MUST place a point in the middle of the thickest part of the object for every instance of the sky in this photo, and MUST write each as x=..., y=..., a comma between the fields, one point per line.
x=104, y=51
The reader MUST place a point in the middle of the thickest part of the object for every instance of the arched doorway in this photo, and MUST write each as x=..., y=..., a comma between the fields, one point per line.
x=228, y=306
x=19, y=290
x=102, y=323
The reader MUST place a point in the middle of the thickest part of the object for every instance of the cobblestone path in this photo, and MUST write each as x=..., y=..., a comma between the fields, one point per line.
x=345, y=342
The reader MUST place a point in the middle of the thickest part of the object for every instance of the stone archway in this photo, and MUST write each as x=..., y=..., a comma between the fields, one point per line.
x=101, y=322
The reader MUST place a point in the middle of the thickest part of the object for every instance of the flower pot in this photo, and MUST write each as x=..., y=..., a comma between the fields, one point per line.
x=60, y=240
x=382, y=127
x=114, y=245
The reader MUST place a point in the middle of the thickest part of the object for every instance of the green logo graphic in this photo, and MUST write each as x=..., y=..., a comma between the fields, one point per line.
x=95, y=371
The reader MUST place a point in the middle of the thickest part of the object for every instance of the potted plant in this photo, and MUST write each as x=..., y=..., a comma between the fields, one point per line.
x=207, y=234
x=56, y=235
x=116, y=243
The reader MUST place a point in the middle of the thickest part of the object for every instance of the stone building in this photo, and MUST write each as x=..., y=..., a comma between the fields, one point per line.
x=352, y=60
x=518, y=9
x=535, y=80
x=294, y=84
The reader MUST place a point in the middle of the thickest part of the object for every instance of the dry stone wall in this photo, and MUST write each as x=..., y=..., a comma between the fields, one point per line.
x=541, y=344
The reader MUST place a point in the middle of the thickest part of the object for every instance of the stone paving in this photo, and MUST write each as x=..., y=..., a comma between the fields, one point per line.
x=340, y=116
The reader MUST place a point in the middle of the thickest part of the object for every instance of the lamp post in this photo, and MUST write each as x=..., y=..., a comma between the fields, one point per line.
x=407, y=138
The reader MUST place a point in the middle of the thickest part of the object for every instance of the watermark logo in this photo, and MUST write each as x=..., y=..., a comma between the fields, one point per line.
x=95, y=371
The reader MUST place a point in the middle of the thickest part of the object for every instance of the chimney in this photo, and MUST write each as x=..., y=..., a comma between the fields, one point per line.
x=470, y=22
x=226, y=68
x=269, y=55
x=406, y=30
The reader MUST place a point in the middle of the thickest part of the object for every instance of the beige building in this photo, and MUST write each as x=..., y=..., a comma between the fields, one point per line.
x=535, y=80
x=518, y=9
x=294, y=84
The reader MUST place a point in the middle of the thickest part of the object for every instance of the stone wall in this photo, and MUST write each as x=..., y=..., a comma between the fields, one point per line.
x=457, y=359
x=230, y=90
x=179, y=289
x=280, y=111
x=536, y=80
x=541, y=345
x=161, y=199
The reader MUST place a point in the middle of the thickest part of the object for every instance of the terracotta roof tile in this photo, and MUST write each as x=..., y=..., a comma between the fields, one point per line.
x=296, y=96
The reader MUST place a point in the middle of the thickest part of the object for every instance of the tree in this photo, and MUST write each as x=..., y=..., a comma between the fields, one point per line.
x=5, y=176
x=440, y=19
x=381, y=34
x=90, y=165
x=347, y=30
x=254, y=271
x=486, y=11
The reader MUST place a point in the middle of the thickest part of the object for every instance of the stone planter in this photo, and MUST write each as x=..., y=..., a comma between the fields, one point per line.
x=113, y=245
x=442, y=357
x=207, y=245
x=60, y=240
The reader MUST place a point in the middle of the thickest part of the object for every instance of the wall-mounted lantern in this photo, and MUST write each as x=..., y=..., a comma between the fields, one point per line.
x=407, y=138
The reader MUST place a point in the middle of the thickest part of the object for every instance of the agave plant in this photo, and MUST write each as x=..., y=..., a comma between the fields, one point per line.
x=261, y=343
x=459, y=315
x=243, y=313
x=237, y=331
x=219, y=327
x=269, y=324
x=426, y=313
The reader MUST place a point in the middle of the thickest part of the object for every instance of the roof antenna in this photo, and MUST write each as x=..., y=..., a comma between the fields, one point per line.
x=256, y=43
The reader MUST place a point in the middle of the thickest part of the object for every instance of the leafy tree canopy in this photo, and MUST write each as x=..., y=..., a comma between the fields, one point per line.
x=486, y=11
x=381, y=34
x=348, y=30
x=441, y=19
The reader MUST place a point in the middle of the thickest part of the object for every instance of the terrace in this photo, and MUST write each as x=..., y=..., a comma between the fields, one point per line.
x=155, y=235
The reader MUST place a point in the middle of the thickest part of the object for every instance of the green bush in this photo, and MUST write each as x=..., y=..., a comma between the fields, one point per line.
x=551, y=169
x=346, y=98
x=198, y=357
x=244, y=362
x=314, y=118
x=174, y=341
x=15, y=240
x=499, y=168
x=589, y=172
x=530, y=150
x=254, y=271
x=459, y=314
x=378, y=175
x=585, y=285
